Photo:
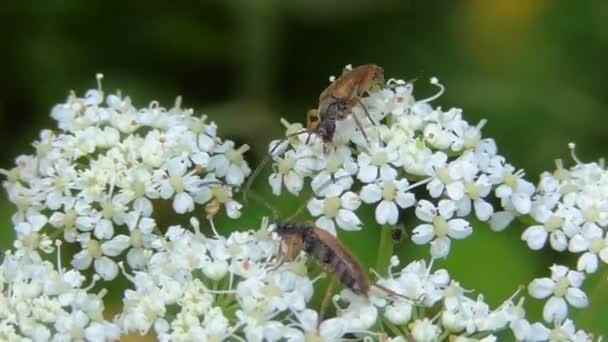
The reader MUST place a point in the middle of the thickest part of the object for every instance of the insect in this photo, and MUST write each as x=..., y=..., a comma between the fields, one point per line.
x=337, y=101
x=331, y=255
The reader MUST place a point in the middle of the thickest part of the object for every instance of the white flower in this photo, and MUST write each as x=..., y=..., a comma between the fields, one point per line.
x=563, y=287
x=291, y=169
x=99, y=253
x=336, y=208
x=536, y=235
x=228, y=162
x=392, y=194
x=594, y=242
x=440, y=227
x=377, y=164
x=425, y=331
x=338, y=168
x=515, y=191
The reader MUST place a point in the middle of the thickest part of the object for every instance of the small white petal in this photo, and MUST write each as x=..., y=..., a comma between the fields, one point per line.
x=455, y=190
x=116, y=246
x=371, y=193
x=315, y=206
x=405, y=200
x=81, y=260
x=367, y=173
x=558, y=240
x=535, y=236
x=521, y=202
x=440, y=248
x=541, y=288
x=555, y=310
x=459, y=229
x=425, y=211
x=294, y=183
x=500, y=220
x=183, y=203
x=577, y=298
x=483, y=210
x=276, y=181
x=106, y=268
x=350, y=200
x=578, y=244
x=347, y=220
x=327, y=224
x=387, y=212
x=423, y=234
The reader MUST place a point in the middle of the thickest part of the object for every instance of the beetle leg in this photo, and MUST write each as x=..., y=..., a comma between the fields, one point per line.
x=310, y=124
x=360, y=126
x=366, y=111
x=326, y=298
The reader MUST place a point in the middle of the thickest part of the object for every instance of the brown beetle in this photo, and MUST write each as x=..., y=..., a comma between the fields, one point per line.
x=337, y=101
x=325, y=249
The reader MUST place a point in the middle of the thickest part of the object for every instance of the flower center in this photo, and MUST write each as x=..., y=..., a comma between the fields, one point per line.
x=108, y=210
x=271, y=291
x=441, y=226
x=389, y=192
x=332, y=205
x=31, y=241
x=472, y=189
x=94, y=249
x=511, y=181
x=136, y=239
x=334, y=162
x=220, y=194
x=553, y=223
x=286, y=165
x=444, y=175
x=236, y=156
x=591, y=214
x=561, y=287
x=69, y=220
x=177, y=183
x=597, y=245
x=139, y=188
x=379, y=158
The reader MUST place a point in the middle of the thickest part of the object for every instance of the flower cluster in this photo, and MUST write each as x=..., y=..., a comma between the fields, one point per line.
x=410, y=145
x=98, y=182
x=39, y=302
x=95, y=179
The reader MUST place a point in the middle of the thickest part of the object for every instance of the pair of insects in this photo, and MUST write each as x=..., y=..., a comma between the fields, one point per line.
x=336, y=103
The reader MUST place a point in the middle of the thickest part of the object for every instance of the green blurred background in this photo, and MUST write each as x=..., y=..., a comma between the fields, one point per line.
x=535, y=69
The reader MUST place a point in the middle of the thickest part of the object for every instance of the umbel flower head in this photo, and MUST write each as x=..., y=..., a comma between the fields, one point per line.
x=98, y=181
x=95, y=179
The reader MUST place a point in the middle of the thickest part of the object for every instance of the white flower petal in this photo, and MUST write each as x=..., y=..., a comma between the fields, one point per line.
x=387, y=212
x=183, y=203
x=483, y=210
x=541, y=288
x=327, y=224
x=350, y=201
x=555, y=310
x=440, y=248
x=577, y=298
x=425, y=211
x=423, y=234
x=535, y=236
x=405, y=200
x=347, y=220
x=371, y=193
x=367, y=173
x=459, y=229
x=116, y=246
x=500, y=220
x=315, y=206
x=106, y=268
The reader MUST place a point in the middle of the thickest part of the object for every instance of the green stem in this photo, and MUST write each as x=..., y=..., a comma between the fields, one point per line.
x=392, y=327
x=385, y=249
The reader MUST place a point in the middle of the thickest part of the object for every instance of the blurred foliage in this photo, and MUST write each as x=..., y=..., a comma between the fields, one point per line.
x=535, y=69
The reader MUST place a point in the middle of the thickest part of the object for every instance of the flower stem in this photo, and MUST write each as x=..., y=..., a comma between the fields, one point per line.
x=385, y=249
